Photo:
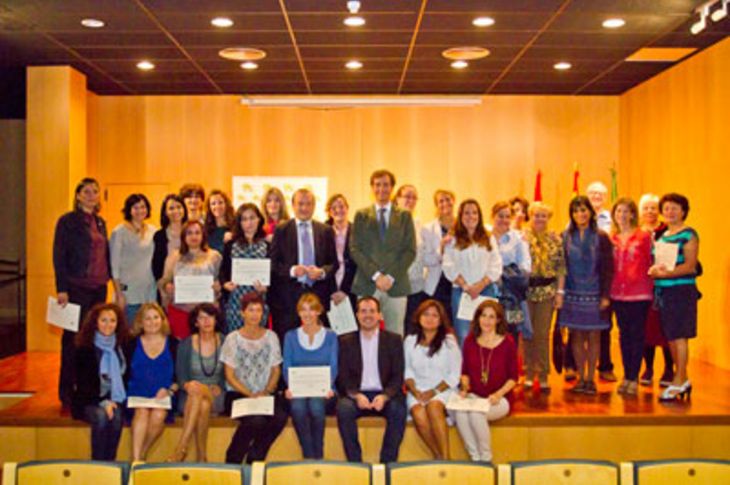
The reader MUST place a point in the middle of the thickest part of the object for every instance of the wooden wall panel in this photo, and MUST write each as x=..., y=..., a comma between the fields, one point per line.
x=673, y=134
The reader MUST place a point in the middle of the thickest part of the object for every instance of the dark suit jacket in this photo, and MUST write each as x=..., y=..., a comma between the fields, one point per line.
x=285, y=254
x=391, y=364
x=392, y=256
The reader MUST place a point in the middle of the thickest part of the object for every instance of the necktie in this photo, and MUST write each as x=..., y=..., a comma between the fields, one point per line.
x=381, y=223
x=307, y=250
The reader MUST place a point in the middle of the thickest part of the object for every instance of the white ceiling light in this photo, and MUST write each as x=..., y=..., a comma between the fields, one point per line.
x=459, y=64
x=721, y=12
x=483, y=22
x=93, y=23
x=222, y=22
x=249, y=66
x=354, y=21
x=145, y=65
x=354, y=65
x=357, y=101
x=562, y=65
x=353, y=6
x=614, y=23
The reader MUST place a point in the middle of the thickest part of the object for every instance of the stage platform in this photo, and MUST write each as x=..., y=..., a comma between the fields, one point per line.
x=542, y=426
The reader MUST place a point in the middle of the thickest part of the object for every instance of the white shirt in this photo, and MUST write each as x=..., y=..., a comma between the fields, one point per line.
x=416, y=270
x=429, y=372
x=317, y=341
x=388, y=209
x=472, y=263
x=370, y=372
x=431, y=237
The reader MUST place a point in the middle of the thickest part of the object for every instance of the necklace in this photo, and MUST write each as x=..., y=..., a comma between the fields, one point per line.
x=484, y=376
x=207, y=373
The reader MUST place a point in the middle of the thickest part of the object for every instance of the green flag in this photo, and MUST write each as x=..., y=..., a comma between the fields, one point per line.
x=614, y=185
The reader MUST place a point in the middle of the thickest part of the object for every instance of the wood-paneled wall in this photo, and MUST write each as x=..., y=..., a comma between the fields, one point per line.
x=674, y=138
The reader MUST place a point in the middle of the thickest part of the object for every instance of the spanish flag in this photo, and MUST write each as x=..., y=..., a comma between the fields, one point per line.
x=576, y=176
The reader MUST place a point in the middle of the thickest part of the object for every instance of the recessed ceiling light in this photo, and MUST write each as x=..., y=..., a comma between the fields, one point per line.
x=93, y=23
x=242, y=54
x=354, y=21
x=353, y=65
x=465, y=53
x=249, y=66
x=459, y=64
x=562, y=66
x=614, y=23
x=145, y=65
x=483, y=21
x=222, y=22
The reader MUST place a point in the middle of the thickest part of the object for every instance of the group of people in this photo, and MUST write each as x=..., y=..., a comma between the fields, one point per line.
x=499, y=284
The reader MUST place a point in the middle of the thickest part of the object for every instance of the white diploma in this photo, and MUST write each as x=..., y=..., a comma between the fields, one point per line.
x=194, y=289
x=253, y=406
x=467, y=306
x=246, y=271
x=341, y=317
x=666, y=254
x=66, y=317
x=149, y=402
x=309, y=381
x=476, y=404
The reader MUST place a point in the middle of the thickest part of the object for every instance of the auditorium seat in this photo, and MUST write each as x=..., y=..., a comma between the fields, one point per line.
x=317, y=472
x=71, y=472
x=559, y=472
x=190, y=474
x=676, y=472
x=441, y=472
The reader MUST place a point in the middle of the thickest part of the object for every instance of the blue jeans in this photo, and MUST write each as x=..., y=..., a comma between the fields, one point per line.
x=394, y=413
x=105, y=432
x=308, y=414
x=130, y=311
x=461, y=327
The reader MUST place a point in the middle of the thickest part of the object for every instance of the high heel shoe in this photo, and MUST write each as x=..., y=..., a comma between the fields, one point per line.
x=177, y=456
x=677, y=393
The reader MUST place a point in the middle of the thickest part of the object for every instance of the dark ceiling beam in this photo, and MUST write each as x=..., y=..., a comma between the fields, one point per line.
x=412, y=45
x=293, y=37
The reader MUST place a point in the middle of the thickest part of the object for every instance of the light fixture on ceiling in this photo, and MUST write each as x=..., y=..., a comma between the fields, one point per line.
x=562, y=66
x=354, y=20
x=222, y=22
x=357, y=101
x=93, y=23
x=353, y=65
x=613, y=23
x=249, y=66
x=704, y=12
x=459, y=64
x=242, y=54
x=145, y=65
x=483, y=22
x=721, y=12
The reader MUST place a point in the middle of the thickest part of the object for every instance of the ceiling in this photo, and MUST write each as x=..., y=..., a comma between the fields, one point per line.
x=307, y=44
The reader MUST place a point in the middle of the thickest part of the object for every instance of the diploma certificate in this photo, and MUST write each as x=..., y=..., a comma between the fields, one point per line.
x=149, y=402
x=253, y=406
x=309, y=381
x=341, y=317
x=476, y=404
x=194, y=289
x=66, y=317
x=666, y=254
x=247, y=271
x=467, y=306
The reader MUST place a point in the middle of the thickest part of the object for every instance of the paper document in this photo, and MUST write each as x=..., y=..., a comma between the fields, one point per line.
x=476, y=404
x=149, y=402
x=66, y=317
x=467, y=306
x=666, y=254
x=309, y=381
x=245, y=271
x=342, y=318
x=194, y=289
x=253, y=406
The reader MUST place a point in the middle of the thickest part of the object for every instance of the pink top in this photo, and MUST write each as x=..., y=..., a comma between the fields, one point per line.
x=631, y=263
x=497, y=365
x=340, y=240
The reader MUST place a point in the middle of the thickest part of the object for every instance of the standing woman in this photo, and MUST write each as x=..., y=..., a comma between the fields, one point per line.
x=274, y=209
x=489, y=371
x=676, y=291
x=519, y=207
x=432, y=370
x=632, y=289
x=336, y=209
x=471, y=262
x=406, y=198
x=99, y=393
x=167, y=239
x=81, y=264
x=131, y=249
x=218, y=219
x=248, y=242
x=194, y=258
x=252, y=358
x=435, y=234
x=310, y=345
x=193, y=195
x=589, y=263
x=200, y=378
x=152, y=375
x=650, y=222
x=544, y=291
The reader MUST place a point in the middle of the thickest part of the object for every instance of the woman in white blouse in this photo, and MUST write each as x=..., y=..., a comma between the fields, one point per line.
x=130, y=251
x=432, y=371
x=471, y=262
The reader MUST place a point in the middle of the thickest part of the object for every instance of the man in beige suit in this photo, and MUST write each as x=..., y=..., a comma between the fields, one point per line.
x=383, y=244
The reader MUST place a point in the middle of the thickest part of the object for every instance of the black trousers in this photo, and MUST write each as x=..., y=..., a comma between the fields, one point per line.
x=255, y=434
x=86, y=298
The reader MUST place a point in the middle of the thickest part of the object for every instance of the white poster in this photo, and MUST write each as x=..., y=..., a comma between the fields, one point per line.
x=252, y=189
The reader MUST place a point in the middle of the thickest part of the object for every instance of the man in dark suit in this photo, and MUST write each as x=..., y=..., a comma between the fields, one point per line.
x=370, y=381
x=303, y=259
x=383, y=245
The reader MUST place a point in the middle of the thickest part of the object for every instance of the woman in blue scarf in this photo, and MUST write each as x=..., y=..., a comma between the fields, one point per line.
x=100, y=365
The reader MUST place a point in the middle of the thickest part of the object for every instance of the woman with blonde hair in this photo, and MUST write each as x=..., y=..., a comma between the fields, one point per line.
x=273, y=206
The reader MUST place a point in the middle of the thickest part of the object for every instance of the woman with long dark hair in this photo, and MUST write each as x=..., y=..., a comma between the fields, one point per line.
x=218, y=219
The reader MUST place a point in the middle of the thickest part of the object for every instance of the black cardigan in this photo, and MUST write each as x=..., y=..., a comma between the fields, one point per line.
x=87, y=385
x=160, y=253
x=71, y=247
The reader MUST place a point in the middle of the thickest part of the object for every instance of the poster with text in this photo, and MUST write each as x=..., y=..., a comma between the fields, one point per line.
x=252, y=189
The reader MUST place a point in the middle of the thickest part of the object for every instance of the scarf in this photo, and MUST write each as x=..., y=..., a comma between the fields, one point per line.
x=110, y=366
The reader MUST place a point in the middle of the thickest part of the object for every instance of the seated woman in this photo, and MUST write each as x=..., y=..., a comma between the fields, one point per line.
x=99, y=393
x=433, y=366
x=252, y=358
x=489, y=371
x=152, y=375
x=310, y=345
x=201, y=380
